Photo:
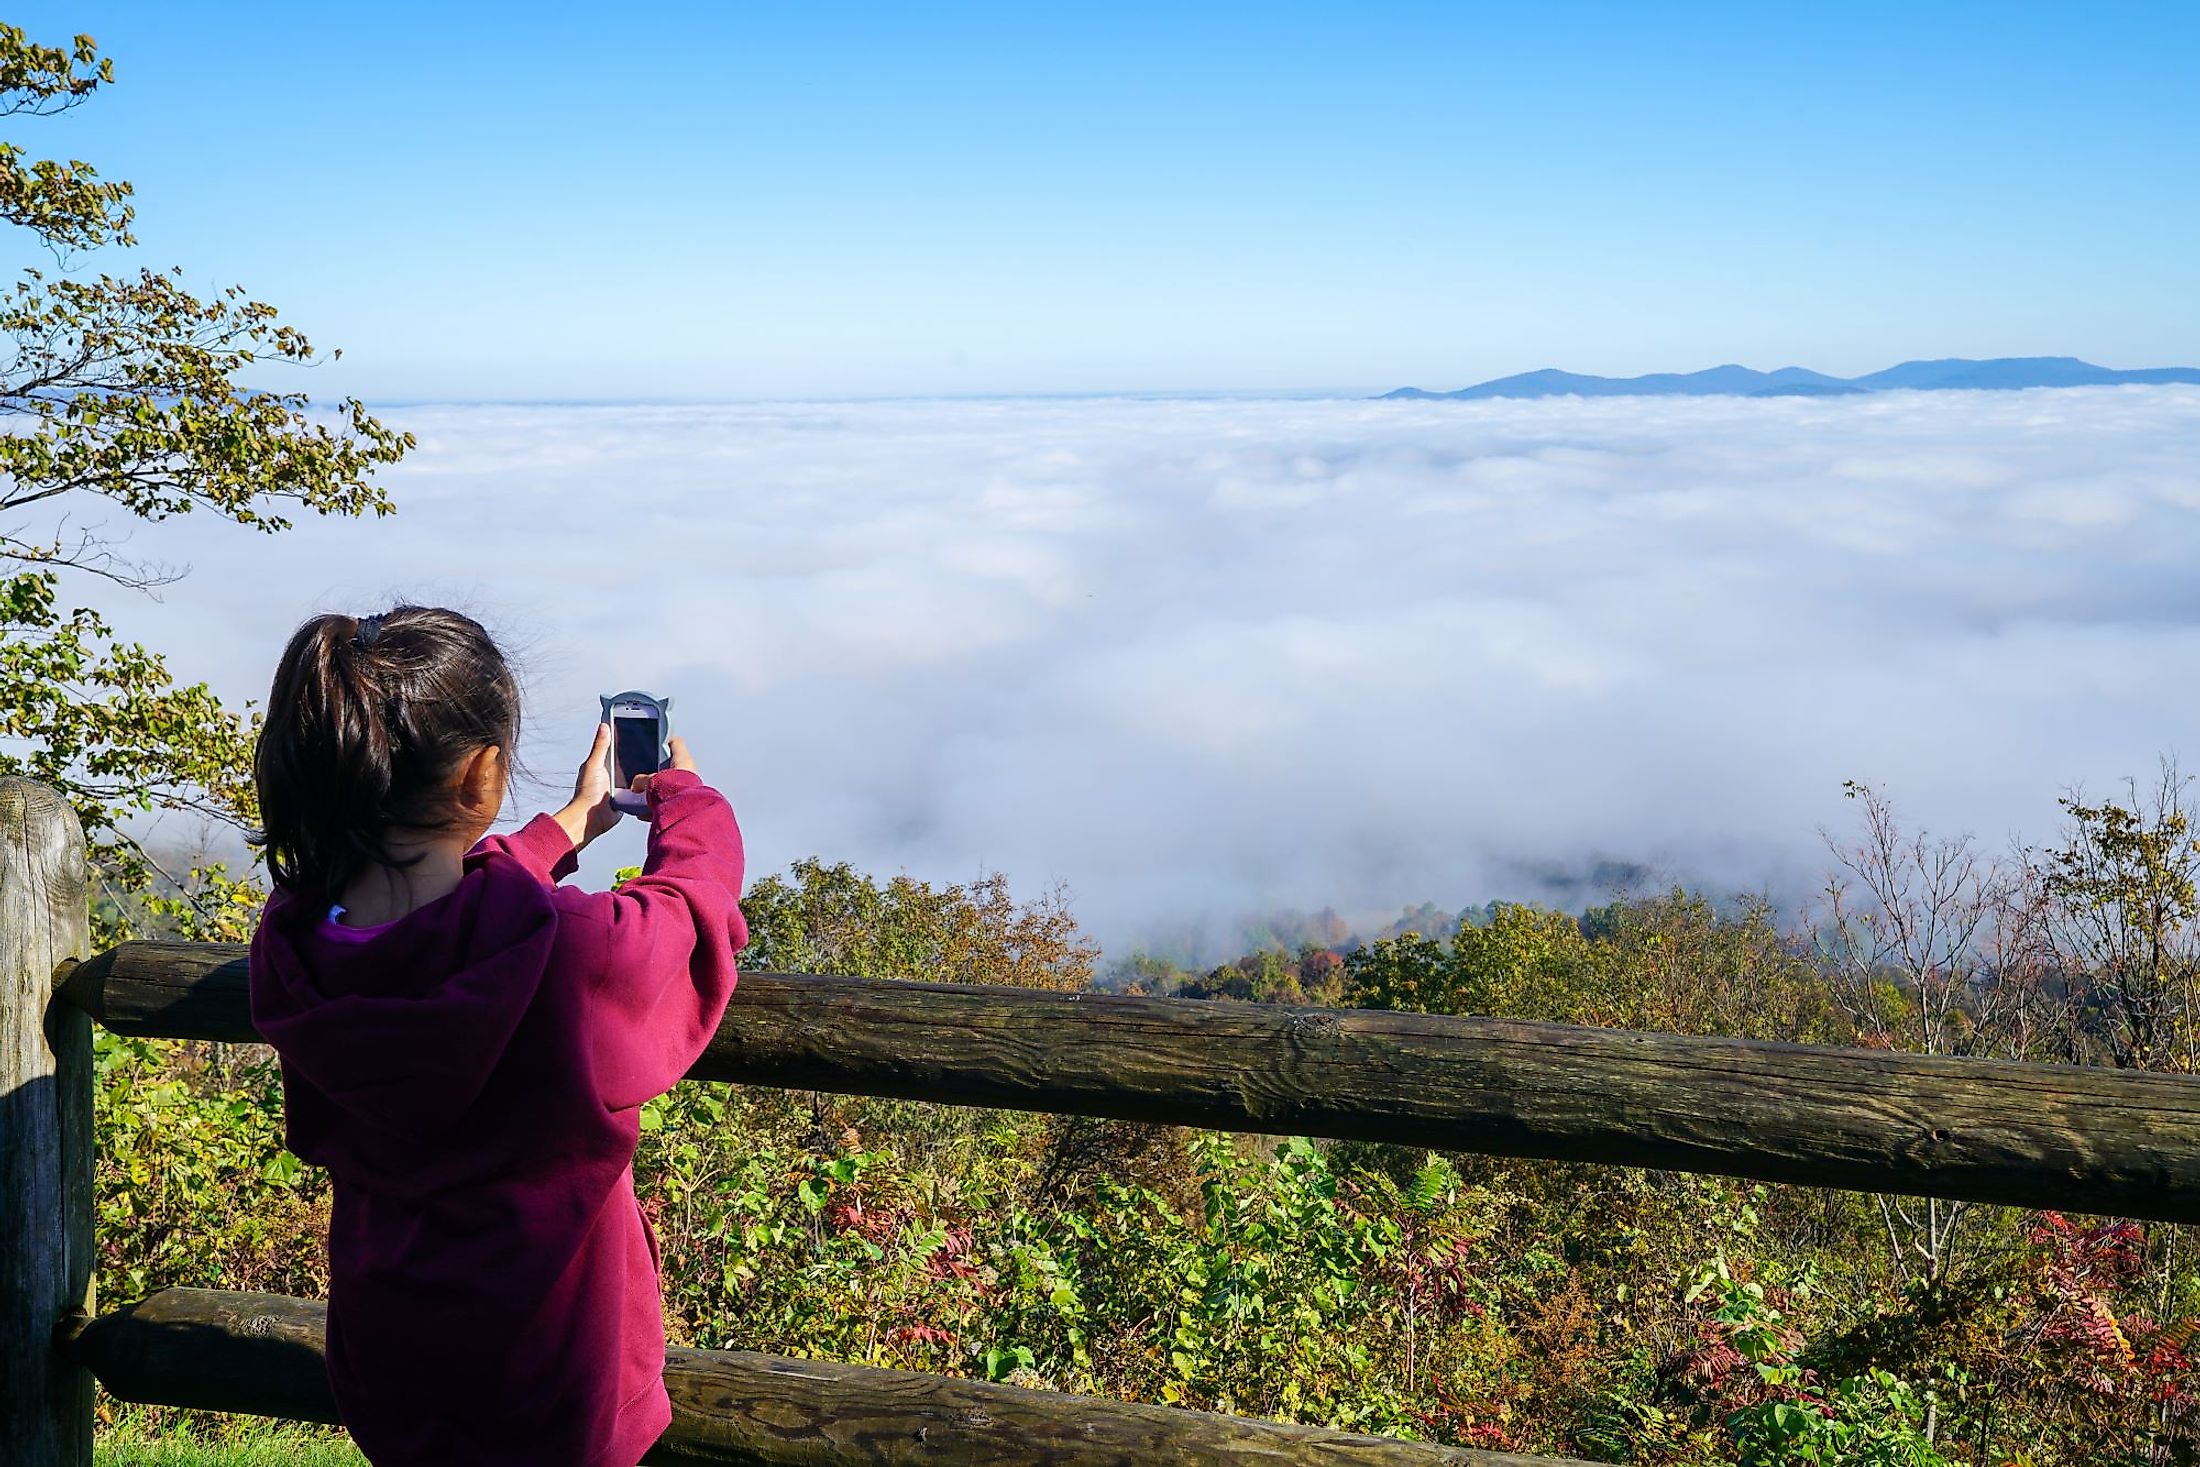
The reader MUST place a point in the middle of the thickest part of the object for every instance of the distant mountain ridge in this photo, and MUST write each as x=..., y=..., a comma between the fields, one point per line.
x=1946, y=374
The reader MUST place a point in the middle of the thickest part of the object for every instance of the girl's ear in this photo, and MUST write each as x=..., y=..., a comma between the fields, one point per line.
x=481, y=780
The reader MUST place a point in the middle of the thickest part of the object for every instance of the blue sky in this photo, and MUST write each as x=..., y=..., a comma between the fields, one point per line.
x=492, y=201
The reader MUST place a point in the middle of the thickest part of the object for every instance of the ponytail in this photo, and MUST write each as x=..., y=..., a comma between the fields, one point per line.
x=367, y=725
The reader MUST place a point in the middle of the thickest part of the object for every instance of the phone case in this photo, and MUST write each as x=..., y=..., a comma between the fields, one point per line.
x=634, y=802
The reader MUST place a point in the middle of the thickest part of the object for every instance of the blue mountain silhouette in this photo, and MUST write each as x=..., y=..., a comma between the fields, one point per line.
x=1949, y=373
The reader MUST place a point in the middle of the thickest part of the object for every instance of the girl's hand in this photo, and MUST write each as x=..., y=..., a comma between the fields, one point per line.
x=677, y=747
x=590, y=812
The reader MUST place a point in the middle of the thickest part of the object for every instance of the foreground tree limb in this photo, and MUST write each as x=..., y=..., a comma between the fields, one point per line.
x=140, y=390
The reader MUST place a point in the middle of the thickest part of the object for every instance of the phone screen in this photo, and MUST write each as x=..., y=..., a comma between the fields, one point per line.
x=634, y=743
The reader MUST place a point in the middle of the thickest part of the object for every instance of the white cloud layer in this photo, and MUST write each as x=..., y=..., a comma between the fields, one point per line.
x=1198, y=658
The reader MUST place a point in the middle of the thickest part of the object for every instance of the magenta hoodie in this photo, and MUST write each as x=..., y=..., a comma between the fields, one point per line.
x=471, y=1075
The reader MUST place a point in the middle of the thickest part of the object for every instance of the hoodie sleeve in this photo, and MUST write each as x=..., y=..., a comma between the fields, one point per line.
x=666, y=970
x=541, y=845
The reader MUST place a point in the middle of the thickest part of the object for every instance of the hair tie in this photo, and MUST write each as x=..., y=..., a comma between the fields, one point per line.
x=370, y=627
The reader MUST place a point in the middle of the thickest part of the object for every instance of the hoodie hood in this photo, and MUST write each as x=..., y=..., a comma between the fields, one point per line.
x=403, y=1030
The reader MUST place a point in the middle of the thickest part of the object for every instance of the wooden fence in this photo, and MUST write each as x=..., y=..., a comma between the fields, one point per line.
x=2082, y=1139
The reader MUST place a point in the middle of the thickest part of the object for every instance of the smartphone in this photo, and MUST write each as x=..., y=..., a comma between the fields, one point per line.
x=638, y=730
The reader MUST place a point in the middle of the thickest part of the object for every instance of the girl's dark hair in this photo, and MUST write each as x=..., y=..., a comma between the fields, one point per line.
x=367, y=724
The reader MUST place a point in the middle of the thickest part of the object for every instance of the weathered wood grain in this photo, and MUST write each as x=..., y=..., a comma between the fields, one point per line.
x=45, y=1130
x=2082, y=1139
x=260, y=1354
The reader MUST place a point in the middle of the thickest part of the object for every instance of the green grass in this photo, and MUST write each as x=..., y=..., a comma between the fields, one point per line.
x=143, y=1436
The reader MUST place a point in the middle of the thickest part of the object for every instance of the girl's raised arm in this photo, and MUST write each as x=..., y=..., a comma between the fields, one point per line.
x=665, y=971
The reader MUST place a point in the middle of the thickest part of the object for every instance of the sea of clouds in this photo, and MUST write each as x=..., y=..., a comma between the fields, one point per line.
x=1196, y=659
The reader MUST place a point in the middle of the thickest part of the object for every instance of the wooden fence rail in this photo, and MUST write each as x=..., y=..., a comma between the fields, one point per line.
x=2080, y=1139
x=2124, y=1142
x=223, y=1350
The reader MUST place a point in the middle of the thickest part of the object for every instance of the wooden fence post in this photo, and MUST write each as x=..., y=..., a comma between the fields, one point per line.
x=45, y=1130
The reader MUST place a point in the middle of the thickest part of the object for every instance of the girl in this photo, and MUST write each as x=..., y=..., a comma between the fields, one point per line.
x=465, y=1045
